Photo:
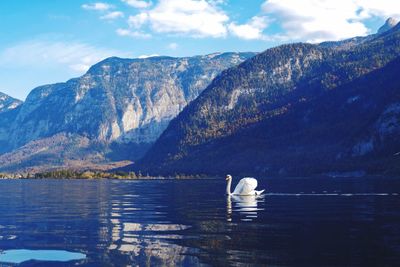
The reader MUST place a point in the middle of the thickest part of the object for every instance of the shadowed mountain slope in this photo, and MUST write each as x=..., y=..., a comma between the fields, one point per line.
x=295, y=109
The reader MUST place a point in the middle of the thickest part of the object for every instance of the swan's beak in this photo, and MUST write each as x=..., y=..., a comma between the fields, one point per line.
x=227, y=177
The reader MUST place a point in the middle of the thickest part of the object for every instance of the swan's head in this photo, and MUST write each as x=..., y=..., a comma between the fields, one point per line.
x=228, y=177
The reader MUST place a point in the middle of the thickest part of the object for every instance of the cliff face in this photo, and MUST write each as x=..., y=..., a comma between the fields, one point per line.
x=120, y=100
x=295, y=109
x=8, y=103
x=8, y=109
x=120, y=105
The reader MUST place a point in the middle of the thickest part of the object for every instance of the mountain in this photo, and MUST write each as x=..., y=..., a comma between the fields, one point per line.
x=115, y=111
x=351, y=42
x=8, y=109
x=389, y=24
x=63, y=150
x=8, y=103
x=296, y=109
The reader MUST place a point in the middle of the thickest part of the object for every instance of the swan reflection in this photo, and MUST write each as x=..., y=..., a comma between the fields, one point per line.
x=246, y=206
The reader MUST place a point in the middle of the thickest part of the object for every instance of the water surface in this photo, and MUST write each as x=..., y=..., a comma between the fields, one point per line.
x=299, y=222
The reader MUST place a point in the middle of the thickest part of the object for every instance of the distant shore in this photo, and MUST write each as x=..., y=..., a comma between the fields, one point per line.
x=88, y=175
x=120, y=175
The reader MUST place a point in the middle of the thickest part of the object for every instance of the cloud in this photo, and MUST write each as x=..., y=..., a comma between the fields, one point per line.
x=173, y=46
x=97, y=6
x=75, y=56
x=183, y=17
x=112, y=15
x=134, y=34
x=378, y=8
x=321, y=20
x=316, y=21
x=138, y=3
x=252, y=30
x=138, y=20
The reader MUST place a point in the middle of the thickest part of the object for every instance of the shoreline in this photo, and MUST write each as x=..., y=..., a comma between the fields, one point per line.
x=208, y=177
x=96, y=174
x=68, y=174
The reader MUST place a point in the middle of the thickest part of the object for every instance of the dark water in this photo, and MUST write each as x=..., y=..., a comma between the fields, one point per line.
x=299, y=222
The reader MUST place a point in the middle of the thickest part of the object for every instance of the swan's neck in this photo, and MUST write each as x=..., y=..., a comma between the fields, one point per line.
x=228, y=187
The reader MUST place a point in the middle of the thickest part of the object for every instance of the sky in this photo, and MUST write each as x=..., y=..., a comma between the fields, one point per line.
x=49, y=41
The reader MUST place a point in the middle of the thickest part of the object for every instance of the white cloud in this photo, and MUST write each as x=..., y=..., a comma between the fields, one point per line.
x=138, y=20
x=379, y=8
x=250, y=31
x=75, y=56
x=315, y=20
x=188, y=17
x=134, y=34
x=138, y=3
x=173, y=46
x=321, y=20
x=97, y=6
x=112, y=15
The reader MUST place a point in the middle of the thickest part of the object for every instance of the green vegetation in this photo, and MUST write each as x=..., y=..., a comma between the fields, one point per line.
x=71, y=174
x=88, y=174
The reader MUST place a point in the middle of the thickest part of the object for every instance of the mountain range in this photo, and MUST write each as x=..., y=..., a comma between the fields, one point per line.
x=113, y=112
x=296, y=109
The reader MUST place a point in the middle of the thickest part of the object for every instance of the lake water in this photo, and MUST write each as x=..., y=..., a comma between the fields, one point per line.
x=299, y=222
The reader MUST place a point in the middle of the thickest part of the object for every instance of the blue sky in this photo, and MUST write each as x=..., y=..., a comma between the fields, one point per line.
x=51, y=41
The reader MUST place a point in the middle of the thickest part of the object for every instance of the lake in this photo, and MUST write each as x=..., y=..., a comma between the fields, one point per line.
x=298, y=222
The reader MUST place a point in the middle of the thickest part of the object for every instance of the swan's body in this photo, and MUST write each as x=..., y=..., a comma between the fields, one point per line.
x=246, y=187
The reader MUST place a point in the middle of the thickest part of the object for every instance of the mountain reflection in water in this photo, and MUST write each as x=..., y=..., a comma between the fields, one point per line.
x=147, y=240
x=192, y=223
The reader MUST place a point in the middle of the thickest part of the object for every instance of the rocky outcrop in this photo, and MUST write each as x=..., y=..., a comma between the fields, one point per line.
x=8, y=110
x=122, y=104
x=124, y=100
x=389, y=24
x=8, y=103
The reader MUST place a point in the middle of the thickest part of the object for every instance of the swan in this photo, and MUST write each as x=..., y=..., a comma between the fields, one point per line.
x=245, y=187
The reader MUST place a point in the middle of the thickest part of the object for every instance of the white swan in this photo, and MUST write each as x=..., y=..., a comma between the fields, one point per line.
x=245, y=187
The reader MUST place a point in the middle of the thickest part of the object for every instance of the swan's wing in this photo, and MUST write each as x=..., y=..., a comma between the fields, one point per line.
x=245, y=186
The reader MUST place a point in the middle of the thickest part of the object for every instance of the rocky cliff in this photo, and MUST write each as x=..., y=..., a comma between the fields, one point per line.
x=8, y=109
x=8, y=103
x=120, y=105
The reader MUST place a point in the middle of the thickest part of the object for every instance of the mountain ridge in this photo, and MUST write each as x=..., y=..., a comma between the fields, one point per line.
x=9, y=107
x=389, y=24
x=117, y=104
x=257, y=91
x=213, y=108
x=8, y=103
